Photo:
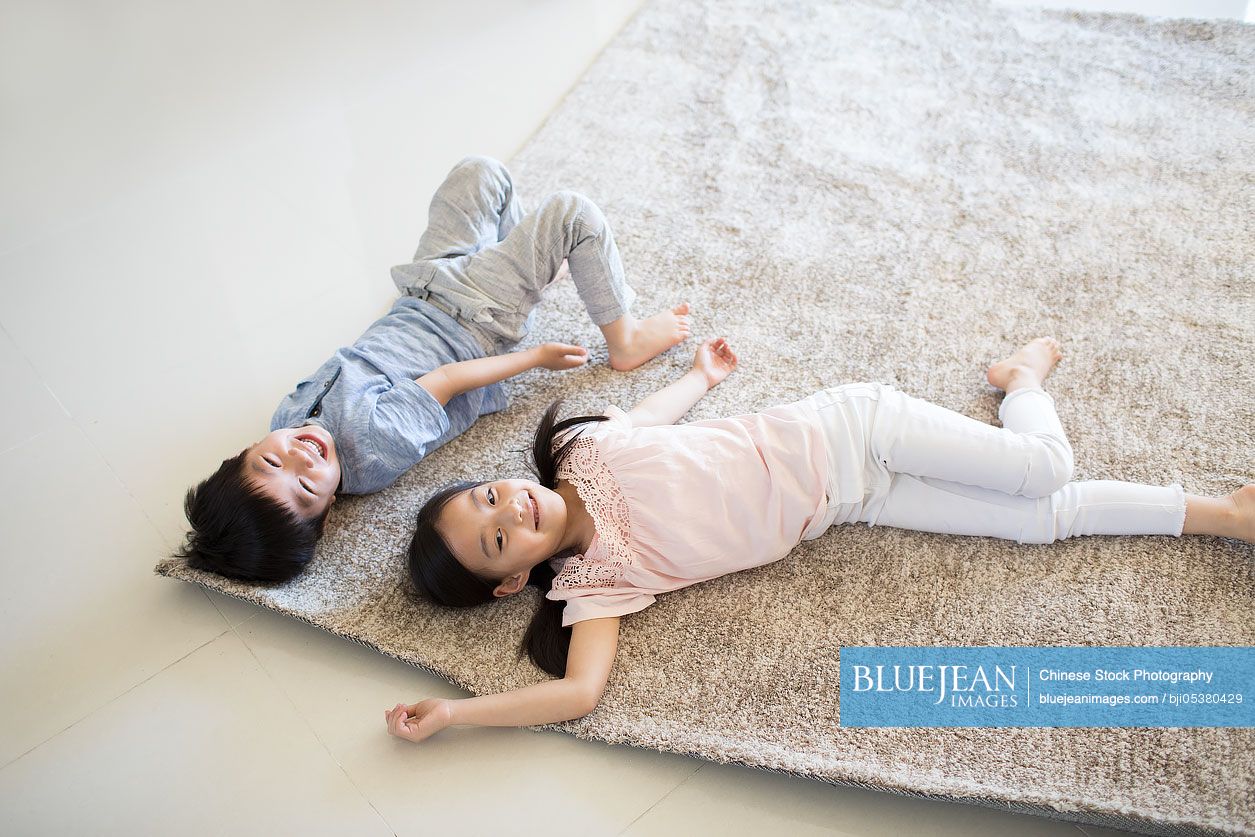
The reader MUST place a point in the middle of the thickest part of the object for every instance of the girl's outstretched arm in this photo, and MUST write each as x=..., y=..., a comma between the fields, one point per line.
x=594, y=643
x=713, y=362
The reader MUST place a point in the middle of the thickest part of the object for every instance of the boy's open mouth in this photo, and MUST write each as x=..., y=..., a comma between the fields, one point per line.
x=314, y=443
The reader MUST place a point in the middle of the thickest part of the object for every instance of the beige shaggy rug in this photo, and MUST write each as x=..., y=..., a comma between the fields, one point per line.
x=899, y=191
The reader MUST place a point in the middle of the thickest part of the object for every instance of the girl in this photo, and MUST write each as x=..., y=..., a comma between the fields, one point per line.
x=629, y=505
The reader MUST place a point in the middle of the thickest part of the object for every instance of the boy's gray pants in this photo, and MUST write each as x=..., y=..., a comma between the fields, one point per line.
x=485, y=263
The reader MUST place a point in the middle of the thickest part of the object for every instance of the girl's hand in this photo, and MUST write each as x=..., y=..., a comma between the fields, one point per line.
x=560, y=355
x=418, y=720
x=715, y=360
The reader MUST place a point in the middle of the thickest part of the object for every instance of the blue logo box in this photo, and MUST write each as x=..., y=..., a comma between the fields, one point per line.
x=1072, y=686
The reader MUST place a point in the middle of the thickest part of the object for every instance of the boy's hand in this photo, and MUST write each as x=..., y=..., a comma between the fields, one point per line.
x=560, y=355
x=418, y=720
x=715, y=360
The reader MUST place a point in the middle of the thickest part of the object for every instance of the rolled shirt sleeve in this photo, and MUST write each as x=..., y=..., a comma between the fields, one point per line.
x=401, y=426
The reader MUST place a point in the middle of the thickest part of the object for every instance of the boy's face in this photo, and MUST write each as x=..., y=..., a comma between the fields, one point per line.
x=296, y=466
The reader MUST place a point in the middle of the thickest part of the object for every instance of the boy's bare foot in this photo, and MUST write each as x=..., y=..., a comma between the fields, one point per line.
x=1030, y=365
x=1244, y=523
x=632, y=341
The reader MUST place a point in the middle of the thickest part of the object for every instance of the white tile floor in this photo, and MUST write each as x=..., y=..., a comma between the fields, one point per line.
x=200, y=203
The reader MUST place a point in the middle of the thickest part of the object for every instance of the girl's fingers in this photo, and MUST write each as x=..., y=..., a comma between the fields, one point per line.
x=397, y=712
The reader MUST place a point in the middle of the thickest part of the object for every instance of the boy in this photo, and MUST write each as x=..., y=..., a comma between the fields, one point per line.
x=422, y=373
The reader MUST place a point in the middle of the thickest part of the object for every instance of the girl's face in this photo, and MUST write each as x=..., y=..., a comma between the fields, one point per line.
x=503, y=529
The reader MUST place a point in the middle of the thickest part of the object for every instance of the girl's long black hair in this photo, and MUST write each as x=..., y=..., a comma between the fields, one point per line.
x=439, y=577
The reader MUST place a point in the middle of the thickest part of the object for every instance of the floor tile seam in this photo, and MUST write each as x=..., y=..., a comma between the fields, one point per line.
x=226, y=619
x=660, y=800
x=214, y=605
x=114, y=699
x=78, y=425
x=34, y=370
x=23, y=443
x=326, y=748
x=167, y=547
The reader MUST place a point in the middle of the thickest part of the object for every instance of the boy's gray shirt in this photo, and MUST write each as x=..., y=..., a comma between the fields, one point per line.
x=366, y=397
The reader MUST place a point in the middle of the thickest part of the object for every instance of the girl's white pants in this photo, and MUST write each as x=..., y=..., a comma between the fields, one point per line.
x=896, y=460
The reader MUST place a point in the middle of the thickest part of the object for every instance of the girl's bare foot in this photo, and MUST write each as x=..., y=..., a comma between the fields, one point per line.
x=1027, y=367
x=632, y=341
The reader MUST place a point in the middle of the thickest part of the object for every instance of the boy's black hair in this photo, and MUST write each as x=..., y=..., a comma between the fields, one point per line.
x=239, y=532
x=439, y=577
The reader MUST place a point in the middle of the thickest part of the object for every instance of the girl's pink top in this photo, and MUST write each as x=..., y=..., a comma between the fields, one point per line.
x=677, y=504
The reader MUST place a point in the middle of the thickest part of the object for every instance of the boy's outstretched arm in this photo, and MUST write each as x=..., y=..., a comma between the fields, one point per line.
x=451, y=380
x=713, y=362
x=594, y=643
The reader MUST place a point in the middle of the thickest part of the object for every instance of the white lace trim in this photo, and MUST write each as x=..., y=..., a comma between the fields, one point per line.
x=610, y=551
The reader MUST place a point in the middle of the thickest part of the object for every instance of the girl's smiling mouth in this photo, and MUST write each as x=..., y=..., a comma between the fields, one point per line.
x=535, y=511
